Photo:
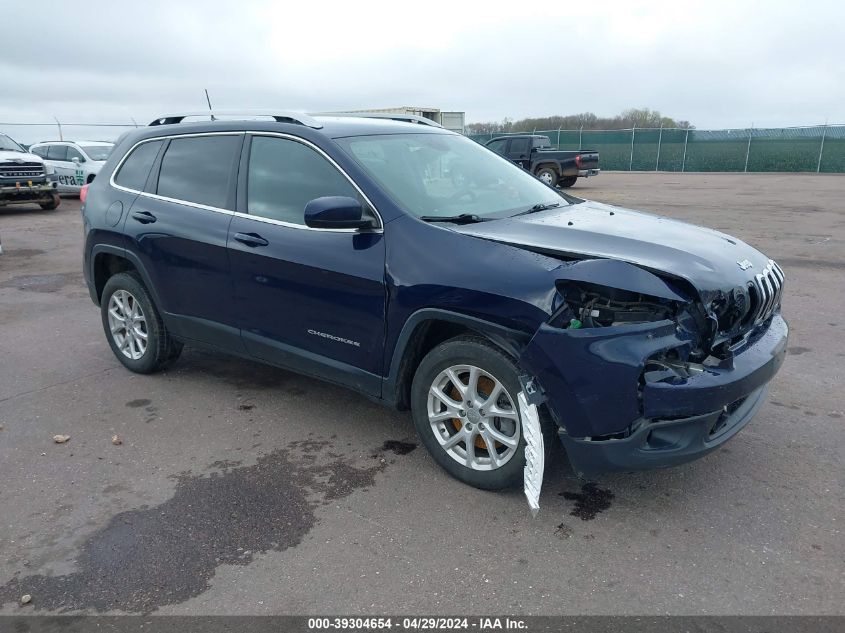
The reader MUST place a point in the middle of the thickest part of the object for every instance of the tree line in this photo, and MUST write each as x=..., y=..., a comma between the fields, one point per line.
x=633, y=117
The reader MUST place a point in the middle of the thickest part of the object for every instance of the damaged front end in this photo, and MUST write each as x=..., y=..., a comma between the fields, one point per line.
x=639, y=372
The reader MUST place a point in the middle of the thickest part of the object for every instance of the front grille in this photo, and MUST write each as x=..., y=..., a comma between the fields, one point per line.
x=765, y=292
x=22, y=170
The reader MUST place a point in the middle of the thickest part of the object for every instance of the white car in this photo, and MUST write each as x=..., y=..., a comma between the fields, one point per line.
x=76, y=163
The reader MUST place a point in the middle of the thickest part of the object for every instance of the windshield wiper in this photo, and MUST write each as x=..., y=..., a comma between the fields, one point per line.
x=463, y=218
x=539, y=207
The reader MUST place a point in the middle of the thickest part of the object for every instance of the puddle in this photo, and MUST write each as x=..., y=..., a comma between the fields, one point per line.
x=398, y=447
x=591, y=501
x=166, y=554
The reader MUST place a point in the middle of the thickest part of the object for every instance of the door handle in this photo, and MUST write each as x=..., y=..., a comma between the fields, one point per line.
x=250, y=239
x=144, y=217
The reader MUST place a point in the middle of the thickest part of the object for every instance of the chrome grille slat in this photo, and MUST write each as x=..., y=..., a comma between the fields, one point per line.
x=769, y=288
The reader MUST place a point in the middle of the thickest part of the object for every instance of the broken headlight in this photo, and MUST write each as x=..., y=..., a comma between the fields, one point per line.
x=590, y=306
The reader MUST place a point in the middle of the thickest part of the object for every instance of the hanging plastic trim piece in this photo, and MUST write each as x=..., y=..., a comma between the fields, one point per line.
x=534, y=451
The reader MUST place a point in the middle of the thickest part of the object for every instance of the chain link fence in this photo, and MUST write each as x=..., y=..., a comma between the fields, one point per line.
x=819, y=149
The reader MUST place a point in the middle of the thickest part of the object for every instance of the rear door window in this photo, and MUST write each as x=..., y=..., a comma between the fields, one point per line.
x=135, y=169
x=40, y=151
x=199, y=169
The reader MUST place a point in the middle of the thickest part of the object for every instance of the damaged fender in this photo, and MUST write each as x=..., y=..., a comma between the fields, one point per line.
x=591, y=375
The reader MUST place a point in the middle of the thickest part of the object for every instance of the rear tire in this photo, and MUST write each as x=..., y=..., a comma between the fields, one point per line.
x=133, y=326
x=474, y=445
x=567, y=182
x=53, y=204
x=548, y=175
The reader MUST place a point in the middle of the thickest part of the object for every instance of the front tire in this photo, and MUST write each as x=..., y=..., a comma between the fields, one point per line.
x=465, y=410
x=53, y=204
x=133, y=326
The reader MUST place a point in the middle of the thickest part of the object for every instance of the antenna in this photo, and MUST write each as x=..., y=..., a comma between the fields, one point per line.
x=210, y=109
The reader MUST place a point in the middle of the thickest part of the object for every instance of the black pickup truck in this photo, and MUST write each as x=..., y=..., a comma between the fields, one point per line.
x=554, y=167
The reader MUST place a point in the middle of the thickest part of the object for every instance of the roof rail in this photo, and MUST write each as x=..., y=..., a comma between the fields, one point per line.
x=406, y=118
x=280, y=116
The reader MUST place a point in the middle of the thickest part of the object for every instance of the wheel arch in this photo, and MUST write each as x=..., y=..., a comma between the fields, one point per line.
x=108, y=260
x=551, y=165
x=427, y=328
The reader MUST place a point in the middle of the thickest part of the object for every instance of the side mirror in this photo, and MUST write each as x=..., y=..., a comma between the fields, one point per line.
x=335, y=212
x=77, y=160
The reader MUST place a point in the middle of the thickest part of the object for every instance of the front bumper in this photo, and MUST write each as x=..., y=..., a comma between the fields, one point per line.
x=23, y=193
x=611, y=416
x=662, y=443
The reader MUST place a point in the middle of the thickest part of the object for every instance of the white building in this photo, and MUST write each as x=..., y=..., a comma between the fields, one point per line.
x=450, y=120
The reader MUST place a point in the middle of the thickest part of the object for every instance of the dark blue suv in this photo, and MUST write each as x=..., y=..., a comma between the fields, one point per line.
x=421, y=269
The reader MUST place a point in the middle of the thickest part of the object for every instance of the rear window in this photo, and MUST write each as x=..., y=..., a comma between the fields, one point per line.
x=135, y=169
x=197, y=169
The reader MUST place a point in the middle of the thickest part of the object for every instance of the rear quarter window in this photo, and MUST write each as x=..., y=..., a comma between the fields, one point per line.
x=136, y=168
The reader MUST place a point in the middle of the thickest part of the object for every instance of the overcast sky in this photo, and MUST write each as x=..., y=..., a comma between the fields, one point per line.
x=714, y=63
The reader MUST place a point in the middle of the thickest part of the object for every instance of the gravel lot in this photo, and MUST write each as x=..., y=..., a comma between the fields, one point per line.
x=240, y=488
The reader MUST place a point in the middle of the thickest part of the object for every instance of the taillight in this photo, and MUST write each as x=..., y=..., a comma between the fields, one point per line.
x=578, y=160
x=83, y=193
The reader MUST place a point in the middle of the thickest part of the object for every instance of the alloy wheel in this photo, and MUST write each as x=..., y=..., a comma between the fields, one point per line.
x=127, y=324
x=473, y=417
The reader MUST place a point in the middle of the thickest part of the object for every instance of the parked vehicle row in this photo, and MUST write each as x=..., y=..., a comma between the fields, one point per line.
x=417, y=267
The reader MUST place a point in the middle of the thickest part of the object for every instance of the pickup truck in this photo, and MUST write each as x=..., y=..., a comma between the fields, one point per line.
x=534, y=153
x=24, y=178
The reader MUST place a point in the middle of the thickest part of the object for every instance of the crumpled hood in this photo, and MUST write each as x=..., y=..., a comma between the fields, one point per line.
x=707, y=259
x=6, y=155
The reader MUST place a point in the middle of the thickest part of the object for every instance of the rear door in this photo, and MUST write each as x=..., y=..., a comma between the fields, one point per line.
x=178, y=228
x=309, y=299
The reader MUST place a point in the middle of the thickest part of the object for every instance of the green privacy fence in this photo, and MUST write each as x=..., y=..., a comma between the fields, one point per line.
x=818, y=148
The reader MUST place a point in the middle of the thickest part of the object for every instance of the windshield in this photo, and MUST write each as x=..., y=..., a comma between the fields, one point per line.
x=97, y=152
x=445, y=175
x=9, y=145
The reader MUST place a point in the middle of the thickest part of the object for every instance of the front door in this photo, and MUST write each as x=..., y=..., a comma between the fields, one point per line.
x=309, y=299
